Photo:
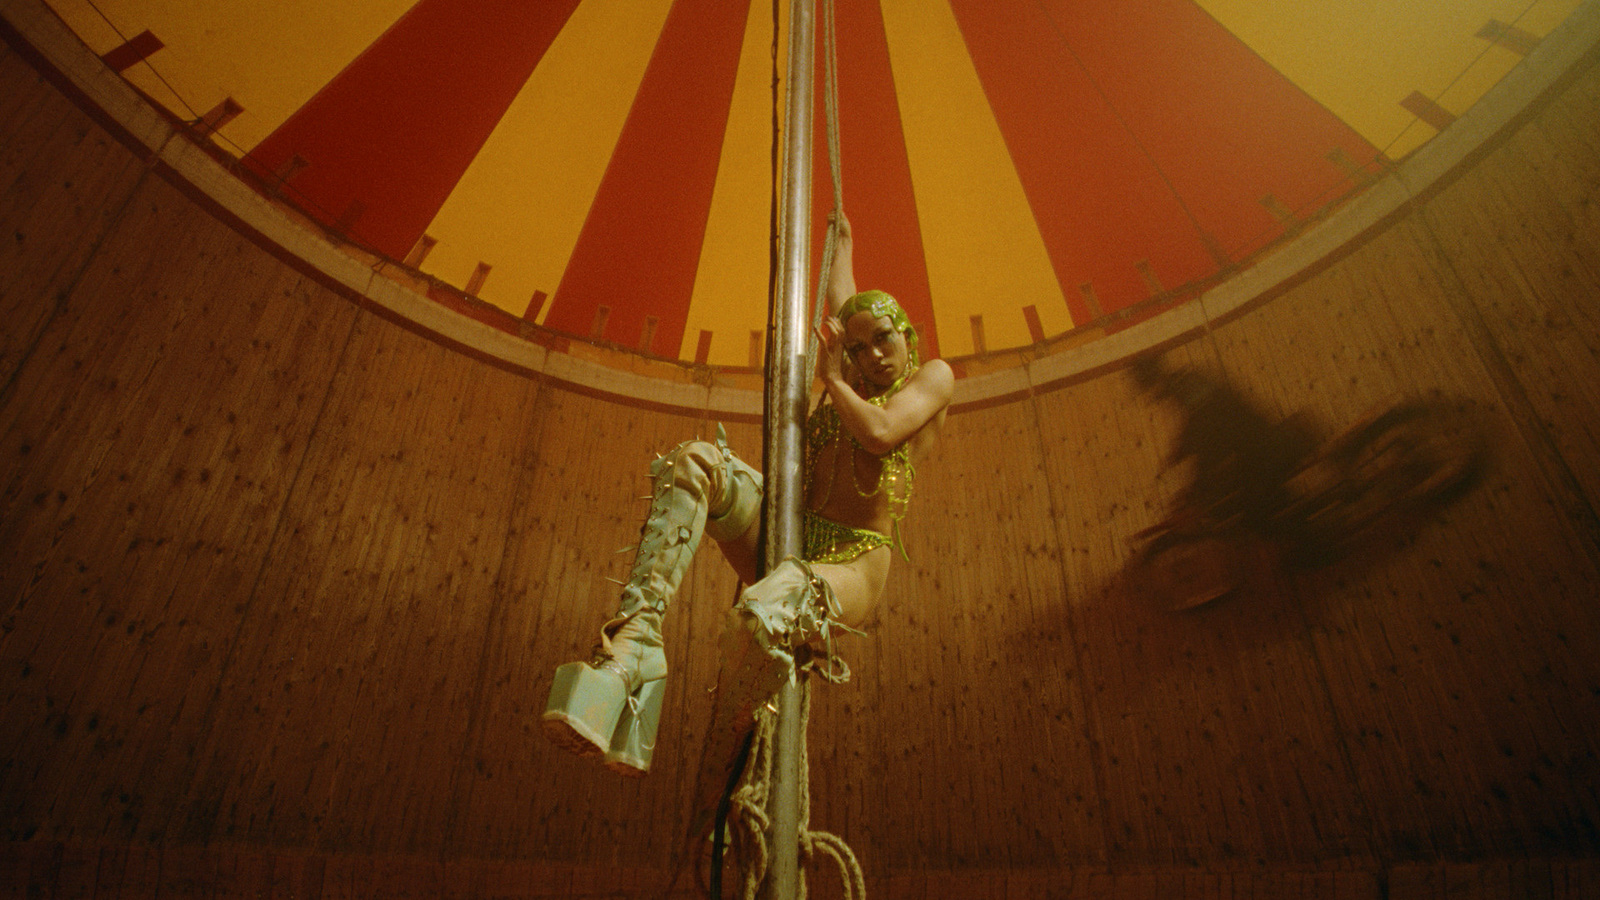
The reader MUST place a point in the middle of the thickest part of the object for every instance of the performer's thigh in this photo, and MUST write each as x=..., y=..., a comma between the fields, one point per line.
x=857, y=585
x=744, y=553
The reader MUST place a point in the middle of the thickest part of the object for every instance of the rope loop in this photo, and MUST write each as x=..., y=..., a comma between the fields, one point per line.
x=748, y=813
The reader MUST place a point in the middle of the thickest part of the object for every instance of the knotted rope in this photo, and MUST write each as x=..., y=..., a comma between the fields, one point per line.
x=748, y=814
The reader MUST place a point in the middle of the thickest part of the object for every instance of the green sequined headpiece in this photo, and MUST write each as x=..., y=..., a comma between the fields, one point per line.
x=880, y=304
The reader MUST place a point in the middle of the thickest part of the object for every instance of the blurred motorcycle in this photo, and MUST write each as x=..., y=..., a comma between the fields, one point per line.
x=1268, y=494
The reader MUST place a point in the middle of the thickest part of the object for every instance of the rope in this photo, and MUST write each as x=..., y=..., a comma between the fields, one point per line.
x=830, y=97
x=748, y=813
x=850, y=875
x=748, y=807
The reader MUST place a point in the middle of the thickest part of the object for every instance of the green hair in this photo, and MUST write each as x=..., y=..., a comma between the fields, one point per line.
x=879, y=304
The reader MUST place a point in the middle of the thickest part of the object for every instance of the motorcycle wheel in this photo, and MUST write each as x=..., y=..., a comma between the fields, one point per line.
x=1179, y=571
x=1416, y=456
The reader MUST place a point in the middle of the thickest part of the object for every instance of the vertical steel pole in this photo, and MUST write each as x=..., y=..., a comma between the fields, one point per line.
x=788, y=388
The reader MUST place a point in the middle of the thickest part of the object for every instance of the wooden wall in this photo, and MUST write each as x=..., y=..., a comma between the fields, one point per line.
x=282, y=585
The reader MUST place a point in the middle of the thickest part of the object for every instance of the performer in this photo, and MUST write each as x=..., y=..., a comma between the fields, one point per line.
x=881, y=410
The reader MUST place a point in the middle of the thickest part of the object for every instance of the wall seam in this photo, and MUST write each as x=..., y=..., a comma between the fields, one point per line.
x=89, y=259
x=1090, y=710
x=230, y=656
x=1560, y=479
x=495, y=634
x=7, y=390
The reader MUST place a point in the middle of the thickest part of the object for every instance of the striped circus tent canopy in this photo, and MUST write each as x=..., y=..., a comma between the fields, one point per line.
x=1015, y=171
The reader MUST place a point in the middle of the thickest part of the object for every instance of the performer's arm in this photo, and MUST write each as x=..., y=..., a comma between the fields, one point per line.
x=841, y=275
x=880, y=429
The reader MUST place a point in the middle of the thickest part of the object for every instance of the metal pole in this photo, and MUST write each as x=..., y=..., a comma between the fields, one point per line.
x=788, y=389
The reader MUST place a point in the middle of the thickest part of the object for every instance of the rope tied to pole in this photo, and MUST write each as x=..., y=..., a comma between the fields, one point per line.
x=756, y=790
x=748, y=816
x=850, y=875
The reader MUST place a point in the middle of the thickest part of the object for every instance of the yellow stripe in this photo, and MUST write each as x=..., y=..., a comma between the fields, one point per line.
x=1360, y=58
x=521, y=205
x=730, y=288
x=984, y=252
x=270, y=57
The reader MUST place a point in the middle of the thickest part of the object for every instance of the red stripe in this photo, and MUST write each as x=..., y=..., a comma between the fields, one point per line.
x=398, y=127
x=877, y=173
x=1223, y=126
x=1099, y=203
x=640, y=246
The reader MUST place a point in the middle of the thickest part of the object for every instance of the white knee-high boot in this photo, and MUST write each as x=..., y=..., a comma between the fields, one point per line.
x=612, y=703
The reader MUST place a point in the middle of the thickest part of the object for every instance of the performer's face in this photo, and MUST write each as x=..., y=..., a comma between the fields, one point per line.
x=878, y=349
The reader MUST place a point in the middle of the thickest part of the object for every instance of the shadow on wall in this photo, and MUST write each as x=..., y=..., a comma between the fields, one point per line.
x=1267, y=496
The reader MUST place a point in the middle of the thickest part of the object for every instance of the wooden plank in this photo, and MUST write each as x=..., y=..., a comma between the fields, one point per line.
x=1206, y=717
x=297, y=875
x=149, y=501
x=347, y=877
x=186, y=872
x=1407, y=639
x=1524, y=219
x=25, y=87
x=993, y=592
x=63, y=183
x=29, y=868
x=400, y=489
x=241, y=873
x=77, y=873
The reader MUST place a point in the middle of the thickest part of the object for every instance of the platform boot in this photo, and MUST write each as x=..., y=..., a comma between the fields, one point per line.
x=611, y=705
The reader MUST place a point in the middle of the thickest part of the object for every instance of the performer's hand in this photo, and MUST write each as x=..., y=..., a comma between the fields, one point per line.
x=830, y=350
x=837, y=217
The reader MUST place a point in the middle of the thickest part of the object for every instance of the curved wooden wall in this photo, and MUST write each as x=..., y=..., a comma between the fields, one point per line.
x=282, y=584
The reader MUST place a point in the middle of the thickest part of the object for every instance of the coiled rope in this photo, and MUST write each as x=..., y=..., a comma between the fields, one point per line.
x=748, y=814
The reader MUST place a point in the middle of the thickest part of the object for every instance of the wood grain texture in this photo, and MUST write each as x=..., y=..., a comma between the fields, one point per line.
x=283, y=585
x=59, y=176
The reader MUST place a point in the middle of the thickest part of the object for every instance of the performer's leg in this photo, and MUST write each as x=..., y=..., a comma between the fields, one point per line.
x=737, y=530
x=612, y=703
x=795, y=613
x=857, y=585
x=798, y=610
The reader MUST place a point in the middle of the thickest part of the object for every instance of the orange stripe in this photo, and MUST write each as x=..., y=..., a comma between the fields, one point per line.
x=640, y=246
x=982, y=243
x=732, y=279
x=1223, y=126
x=397, y=128
x=520, y=206
x=1100, y=205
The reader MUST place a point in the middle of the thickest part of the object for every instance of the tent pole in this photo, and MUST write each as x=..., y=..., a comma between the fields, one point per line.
x=788, y=390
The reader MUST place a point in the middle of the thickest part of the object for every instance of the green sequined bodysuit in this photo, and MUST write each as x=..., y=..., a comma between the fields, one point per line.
x=828, y=541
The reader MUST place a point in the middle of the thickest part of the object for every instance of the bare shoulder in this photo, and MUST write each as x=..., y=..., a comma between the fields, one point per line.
x=931, y=389
x=935, y=379
x=925, y=395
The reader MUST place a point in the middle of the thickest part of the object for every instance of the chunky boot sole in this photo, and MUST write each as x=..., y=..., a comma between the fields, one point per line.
x=590, y=712
x=584, y=706
x=634, y=740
